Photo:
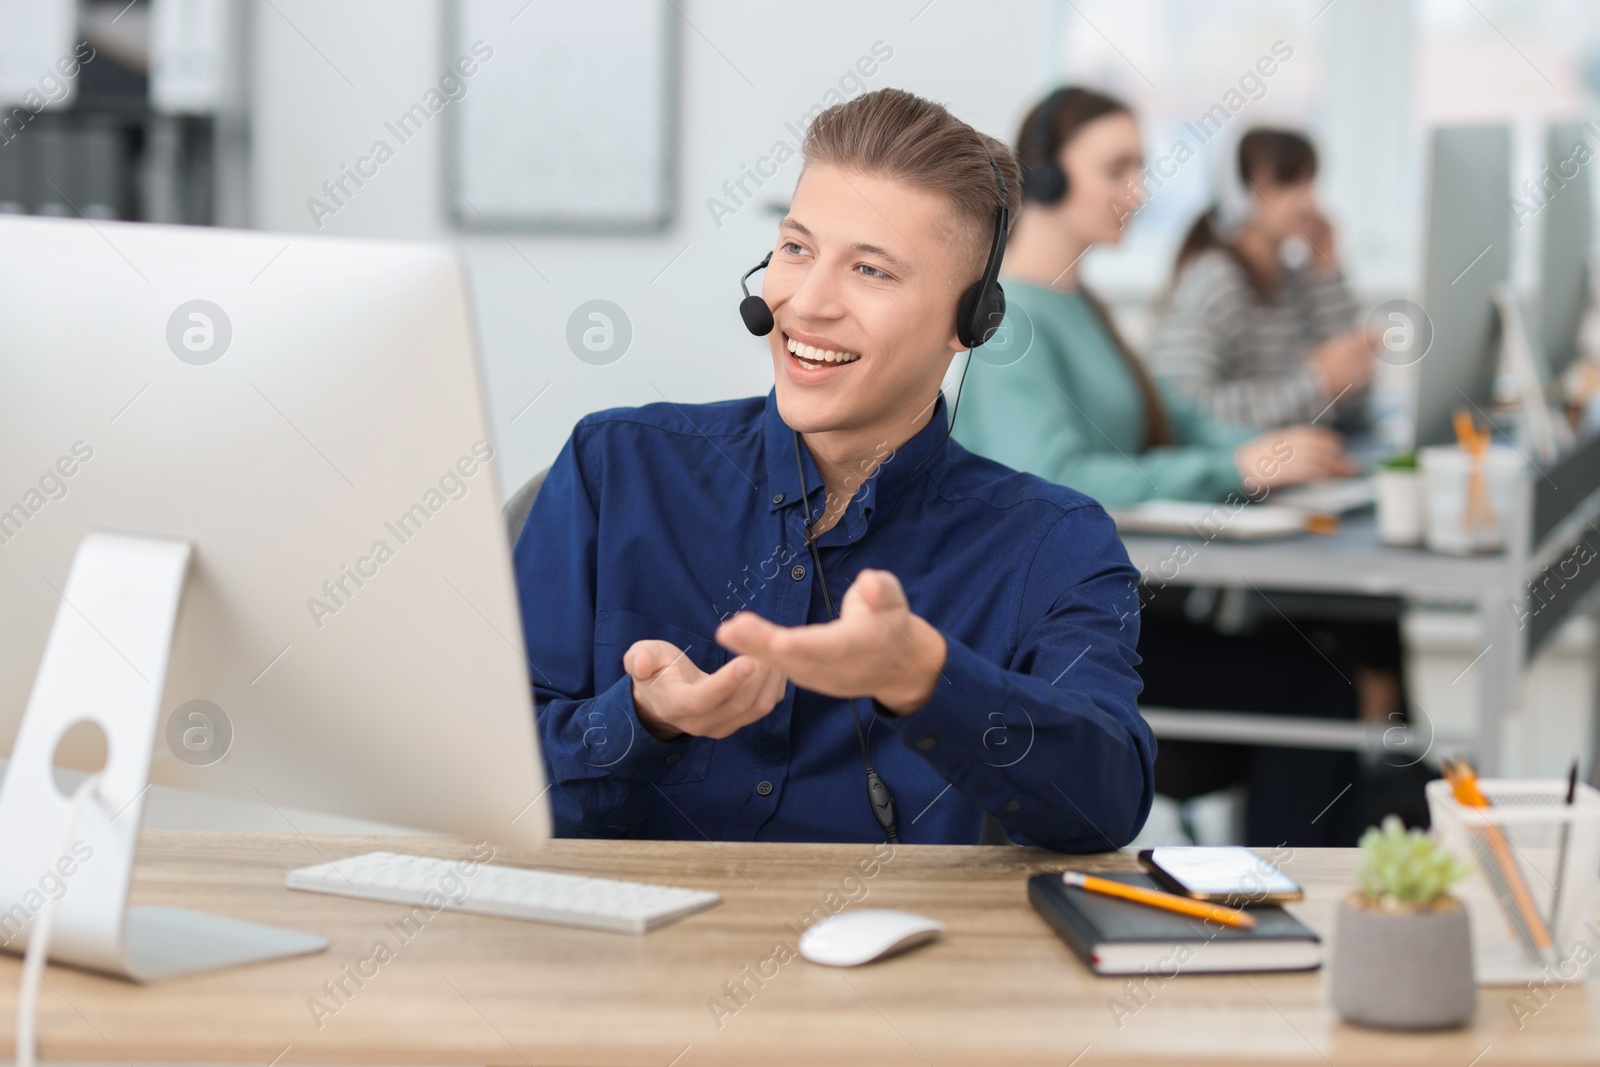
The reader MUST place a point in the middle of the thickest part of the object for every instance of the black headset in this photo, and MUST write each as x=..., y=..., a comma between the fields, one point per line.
x=983, y=306
x=978, y=316
x=979, y=313
x=1045, y=182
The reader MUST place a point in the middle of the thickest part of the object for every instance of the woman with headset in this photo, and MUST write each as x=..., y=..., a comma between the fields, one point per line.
x=1063, y=397
x=1113, y=433
x=1248, y=336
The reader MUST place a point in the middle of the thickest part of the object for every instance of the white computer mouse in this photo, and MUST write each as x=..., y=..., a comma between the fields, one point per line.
x=856, y=937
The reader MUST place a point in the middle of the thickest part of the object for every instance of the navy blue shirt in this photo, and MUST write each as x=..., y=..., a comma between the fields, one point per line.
x=661, y=521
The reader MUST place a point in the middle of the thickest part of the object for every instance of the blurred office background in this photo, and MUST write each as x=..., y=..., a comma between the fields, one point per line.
x=257, y=112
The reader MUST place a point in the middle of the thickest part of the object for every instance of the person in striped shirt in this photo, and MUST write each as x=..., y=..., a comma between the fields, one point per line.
x=1061, y=396
x=1246, y=336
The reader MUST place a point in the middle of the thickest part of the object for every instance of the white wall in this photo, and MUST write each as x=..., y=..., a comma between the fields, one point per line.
x=327, y=76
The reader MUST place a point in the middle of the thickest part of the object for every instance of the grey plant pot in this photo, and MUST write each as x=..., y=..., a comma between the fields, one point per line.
x=1403, y=972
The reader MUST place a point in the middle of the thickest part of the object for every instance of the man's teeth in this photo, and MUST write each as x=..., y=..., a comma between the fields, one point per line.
x=821, y=355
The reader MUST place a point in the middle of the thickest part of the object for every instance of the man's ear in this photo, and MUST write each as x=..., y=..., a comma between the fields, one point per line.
x=953, y=342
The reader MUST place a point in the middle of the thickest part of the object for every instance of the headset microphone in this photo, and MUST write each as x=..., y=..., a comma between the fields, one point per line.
x=752, y=309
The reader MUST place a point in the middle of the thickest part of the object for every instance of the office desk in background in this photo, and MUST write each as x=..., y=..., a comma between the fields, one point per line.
x=998, y=988
x=1557, y=510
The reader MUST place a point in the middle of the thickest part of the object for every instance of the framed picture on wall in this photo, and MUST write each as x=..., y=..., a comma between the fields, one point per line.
x=568, y=122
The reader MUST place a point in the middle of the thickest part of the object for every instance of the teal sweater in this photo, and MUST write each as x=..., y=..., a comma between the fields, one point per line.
x=1054, y=398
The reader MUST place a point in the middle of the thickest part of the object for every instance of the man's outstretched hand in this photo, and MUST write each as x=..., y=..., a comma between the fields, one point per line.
x=876, y=648
x=673, y=697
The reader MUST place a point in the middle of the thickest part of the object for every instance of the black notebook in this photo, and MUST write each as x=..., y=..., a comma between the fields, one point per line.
x=1120, y=937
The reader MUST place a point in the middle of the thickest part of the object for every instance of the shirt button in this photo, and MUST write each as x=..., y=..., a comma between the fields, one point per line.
x=675, y=757
x=798, y=572
x=764, y=788
x=1014, y=806
x=777, y=498
x=927, y=743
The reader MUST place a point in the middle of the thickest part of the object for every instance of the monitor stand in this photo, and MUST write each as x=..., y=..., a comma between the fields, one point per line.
x=106, y=663
x=1522, y=353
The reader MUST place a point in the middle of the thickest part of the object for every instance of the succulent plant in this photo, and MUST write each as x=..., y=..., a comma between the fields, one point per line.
x=1401, y=461
x=1406, y=869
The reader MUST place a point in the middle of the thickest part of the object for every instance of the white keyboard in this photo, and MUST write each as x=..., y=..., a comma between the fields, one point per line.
x=505, y=892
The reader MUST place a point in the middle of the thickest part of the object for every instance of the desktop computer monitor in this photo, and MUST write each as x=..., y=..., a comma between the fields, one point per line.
x=1565, y=233
x=307, y=412
x=1467, y=256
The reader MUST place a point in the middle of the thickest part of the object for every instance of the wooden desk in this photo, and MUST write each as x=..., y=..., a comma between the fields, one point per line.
x=999, y=987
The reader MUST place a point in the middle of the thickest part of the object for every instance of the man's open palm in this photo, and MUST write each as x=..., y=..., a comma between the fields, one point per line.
x=673, y=696
x=877, y=647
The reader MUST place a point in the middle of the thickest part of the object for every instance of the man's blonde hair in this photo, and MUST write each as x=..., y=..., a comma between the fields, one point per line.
x=890, y=133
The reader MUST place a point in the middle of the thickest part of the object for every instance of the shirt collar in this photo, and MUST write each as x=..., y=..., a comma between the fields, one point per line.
x=886, y=483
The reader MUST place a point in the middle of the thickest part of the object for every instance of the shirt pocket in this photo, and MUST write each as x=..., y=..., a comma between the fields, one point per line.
x=616, y=630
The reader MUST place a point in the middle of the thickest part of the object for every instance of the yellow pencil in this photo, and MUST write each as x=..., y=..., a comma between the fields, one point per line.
x=1464, y=782
x=1157, y=899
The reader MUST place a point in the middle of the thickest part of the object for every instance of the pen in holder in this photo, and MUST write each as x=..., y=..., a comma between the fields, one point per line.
x=1470, y=494
x=1536, y=857
x=1478, y=514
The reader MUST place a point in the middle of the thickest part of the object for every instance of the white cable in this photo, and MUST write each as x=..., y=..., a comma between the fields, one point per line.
x=38, y=951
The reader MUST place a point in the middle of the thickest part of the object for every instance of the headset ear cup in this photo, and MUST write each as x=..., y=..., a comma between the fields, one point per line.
x=990, y=316
x=1045, y=184
x=977, y=319
x=967, y=316
x=983, y=305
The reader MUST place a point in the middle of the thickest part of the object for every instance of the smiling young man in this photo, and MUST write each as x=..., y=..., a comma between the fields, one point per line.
x=691, y=677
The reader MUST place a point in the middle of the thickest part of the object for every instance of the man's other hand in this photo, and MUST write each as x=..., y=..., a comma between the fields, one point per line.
x=673, y=697
x=877, y=647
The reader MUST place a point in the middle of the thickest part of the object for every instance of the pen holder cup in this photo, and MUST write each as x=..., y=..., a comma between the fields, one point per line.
x=1468, y=499
x=1531, y=895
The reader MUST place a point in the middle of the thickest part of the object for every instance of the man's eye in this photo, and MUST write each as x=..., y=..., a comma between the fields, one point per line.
x=791, y=248
x=870, y=271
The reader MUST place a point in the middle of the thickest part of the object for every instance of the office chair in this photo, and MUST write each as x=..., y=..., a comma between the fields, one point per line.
x=516, y=509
